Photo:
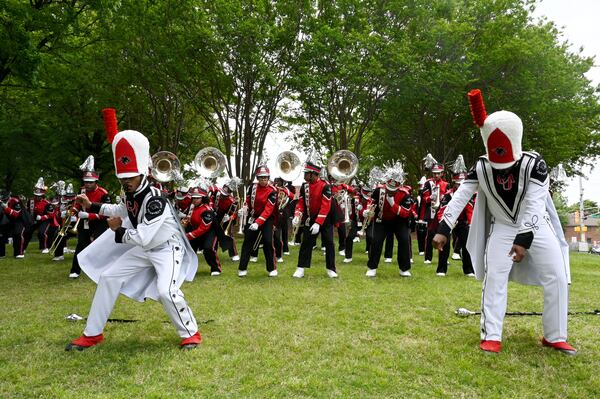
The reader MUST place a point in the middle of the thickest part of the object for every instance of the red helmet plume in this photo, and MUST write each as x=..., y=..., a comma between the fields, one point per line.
x=110, y=123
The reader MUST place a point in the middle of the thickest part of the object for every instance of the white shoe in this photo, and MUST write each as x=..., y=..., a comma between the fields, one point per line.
x=45, y=251
x=356, y=239
x=371, y=272
x=299, y=273
x=291, y=243
x=470, y=275
x=427, y=262
x=411, y=260
x=273, y=273
x=242, y=273
x=367, y=252
x=254, y=259
x=347, y=260
x=235, y=258
x=405, y=274
x=331, y=273
x=421, y=253
x=58, y=258
x=441, y=274
x=73, y=275
x=68, y=251
x=455, y=256
x=286, y=253
x=20, y=256
x=215, y=273
x=280, y=260
x=388, y=260
x=323, y=249
x=342, y=252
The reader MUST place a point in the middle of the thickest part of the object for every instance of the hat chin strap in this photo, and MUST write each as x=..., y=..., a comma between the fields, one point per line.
x=387, y=187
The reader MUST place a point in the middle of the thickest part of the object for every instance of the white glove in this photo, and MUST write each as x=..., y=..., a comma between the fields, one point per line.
x=2, y=205
x=359, y=207
x=314, y=229
x=253, y=226
x=83, y=215
x=63, y=214
x=225, y=218
x=390, y=200
x=38, y=218
x=73, y=218
x=433, y=198
x=296, y=221
x=242, y=211
x=181, y=215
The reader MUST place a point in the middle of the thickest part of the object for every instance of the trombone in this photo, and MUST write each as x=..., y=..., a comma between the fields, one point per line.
x=64, y=229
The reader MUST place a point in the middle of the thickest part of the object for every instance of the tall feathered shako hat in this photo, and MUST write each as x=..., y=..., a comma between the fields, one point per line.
x=131, y=149
x=313, y=163
x=501, y=131
x=87, y=167
x=262, y=170
x=40, y=188
x=459, y=170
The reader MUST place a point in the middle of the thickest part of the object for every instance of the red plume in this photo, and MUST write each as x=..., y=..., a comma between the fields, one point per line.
x=110, y=123
x=477, y=107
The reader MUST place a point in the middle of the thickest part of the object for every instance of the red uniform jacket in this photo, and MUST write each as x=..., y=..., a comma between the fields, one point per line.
x=314, y=201
x=201, y=221
x=223, y=204
x=183, y=205
x=466, y=214
x=425, y=213
x=100, y=196
x=261, y=202
x=401, y=208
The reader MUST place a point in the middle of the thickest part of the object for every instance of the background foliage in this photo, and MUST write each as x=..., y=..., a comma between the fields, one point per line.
x=387, y=80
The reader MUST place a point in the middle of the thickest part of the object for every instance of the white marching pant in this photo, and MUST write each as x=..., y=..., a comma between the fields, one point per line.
x=546, y=257
x=165, y=260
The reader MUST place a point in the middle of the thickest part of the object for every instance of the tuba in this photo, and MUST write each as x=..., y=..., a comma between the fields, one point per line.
x=165, y=167
x=209, y=162
x=342, y=166
x=288, y=165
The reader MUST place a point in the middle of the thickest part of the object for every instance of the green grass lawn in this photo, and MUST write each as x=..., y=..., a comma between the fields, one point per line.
x=352, y=337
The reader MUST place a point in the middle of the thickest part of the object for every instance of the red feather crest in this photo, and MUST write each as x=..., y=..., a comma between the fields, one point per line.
x=110, y=123
x=477, y=107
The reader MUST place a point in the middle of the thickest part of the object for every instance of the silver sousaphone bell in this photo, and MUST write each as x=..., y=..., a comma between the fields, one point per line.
x=165, y=167
x=288, y=165
x=209, y=162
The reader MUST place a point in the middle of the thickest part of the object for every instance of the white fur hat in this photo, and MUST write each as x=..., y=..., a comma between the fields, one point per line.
x=131, y=152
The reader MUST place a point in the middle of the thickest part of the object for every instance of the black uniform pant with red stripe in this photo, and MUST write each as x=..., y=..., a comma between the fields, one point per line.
x=399, y=228
x=252, y=239
x=4, y=234
x=421, y=230
x=226, y=242
x=308, y=242
x=45, y=235
x=342, y=234
x=432, y=227
x=20, y=239
x=462, y=233
x=208, y=243
x=353, y=231
x=388, y=253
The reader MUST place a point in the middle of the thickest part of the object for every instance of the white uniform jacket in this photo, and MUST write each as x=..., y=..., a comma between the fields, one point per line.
x=156, y=223
x=520, y=199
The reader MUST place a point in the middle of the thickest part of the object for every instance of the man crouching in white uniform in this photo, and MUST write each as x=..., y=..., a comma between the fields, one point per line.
x=515, y=232
x=143, y=255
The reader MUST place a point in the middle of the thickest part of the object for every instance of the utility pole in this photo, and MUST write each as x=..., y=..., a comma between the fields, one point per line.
x=583, y=245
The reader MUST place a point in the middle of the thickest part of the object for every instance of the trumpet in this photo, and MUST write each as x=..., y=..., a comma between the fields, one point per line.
x=369, y=215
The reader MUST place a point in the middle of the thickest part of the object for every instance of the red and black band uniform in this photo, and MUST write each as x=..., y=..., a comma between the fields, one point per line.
x=43, y=213
x=91, y=228
x=461, y=230
x=226, y=204
x=315, y=206
x=355, y=212
x=421, y=225
x=336, y=189
x=202, y=235
x=432, y=223
x=280, y=236
x=392, y=218
x=65, y=217
x=19, y=221
x=261, y=203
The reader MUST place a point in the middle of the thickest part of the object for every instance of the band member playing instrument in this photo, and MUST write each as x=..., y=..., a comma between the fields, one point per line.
x=41, y=213
x=433, y=191
x=355, y=214
x=19, y=221
x=421, y=223
x=182, y=201
x=260, y=212
x=392, y=210
x=146, y=255
x=515, y=231
x=314, y=214
x=91, y=224
x=201, y=229
x=67, y=222
x=461, y=229
x=280, y=237
x=226, y=206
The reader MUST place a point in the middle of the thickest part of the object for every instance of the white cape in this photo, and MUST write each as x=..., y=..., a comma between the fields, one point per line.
x=524, y=272
x=104, y=251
